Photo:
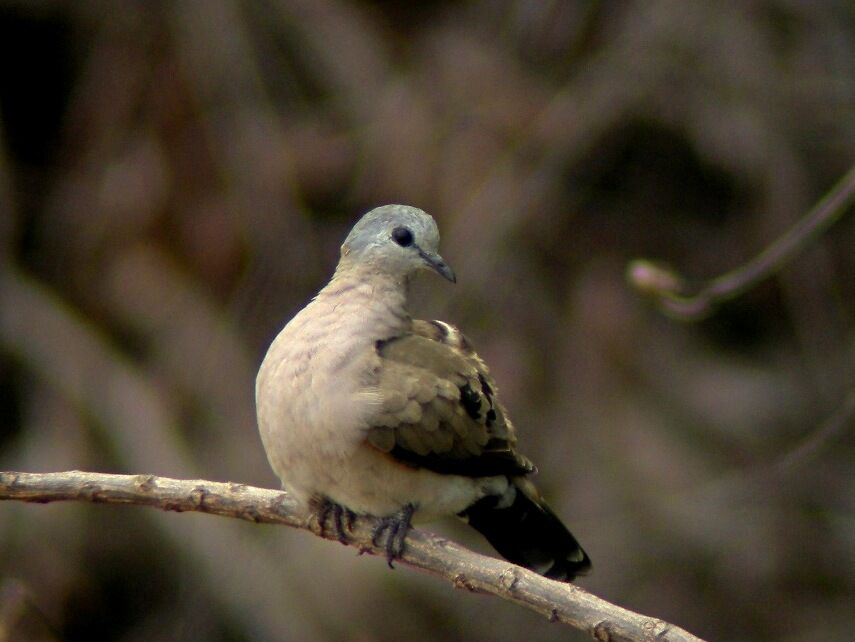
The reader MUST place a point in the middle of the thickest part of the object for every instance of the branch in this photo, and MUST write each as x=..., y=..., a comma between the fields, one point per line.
x=559, y=602
x=670, y=289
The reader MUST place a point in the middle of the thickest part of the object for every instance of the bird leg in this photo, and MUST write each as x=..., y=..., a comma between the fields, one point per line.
x=391, y=531
x=334, y=518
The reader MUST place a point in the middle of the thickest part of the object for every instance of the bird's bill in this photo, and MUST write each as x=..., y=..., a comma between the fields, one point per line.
x=438, y=263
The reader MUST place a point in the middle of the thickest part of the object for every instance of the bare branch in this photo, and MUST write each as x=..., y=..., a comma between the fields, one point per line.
x=670, y=288
x=559, y=602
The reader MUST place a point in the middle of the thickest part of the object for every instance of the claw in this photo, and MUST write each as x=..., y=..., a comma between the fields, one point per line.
x=391, y=532
x=334, y=519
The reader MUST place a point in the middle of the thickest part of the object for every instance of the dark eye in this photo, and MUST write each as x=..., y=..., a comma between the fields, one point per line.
x=402, y=236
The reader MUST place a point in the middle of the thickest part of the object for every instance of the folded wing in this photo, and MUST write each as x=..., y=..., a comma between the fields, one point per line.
x=439, y=409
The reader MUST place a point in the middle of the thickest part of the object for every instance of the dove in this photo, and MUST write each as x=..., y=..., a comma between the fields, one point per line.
x=363, y=410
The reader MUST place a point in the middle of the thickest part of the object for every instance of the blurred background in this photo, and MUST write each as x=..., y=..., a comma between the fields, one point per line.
x=176, y=179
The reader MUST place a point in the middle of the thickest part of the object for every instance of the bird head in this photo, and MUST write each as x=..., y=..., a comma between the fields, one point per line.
x=396, y=239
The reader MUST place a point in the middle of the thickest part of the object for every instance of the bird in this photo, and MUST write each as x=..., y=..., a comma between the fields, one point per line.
x=365, y=411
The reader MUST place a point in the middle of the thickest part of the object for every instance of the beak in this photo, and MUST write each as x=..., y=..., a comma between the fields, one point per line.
x=438, y=263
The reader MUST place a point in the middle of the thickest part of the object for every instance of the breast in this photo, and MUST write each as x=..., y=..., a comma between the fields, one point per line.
x=311, y=395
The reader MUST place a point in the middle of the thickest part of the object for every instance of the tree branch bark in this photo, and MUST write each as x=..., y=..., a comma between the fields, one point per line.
x=557, y=601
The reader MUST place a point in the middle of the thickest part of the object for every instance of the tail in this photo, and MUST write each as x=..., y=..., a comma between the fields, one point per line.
x=524, y=531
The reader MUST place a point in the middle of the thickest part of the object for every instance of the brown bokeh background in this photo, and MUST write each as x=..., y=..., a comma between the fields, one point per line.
x=176, y=178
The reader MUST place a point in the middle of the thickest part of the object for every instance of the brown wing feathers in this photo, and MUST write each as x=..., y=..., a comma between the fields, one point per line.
x=439, y=409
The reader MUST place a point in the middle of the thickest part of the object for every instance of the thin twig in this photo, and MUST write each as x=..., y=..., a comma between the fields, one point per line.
x=559, y=602
x=670, y=288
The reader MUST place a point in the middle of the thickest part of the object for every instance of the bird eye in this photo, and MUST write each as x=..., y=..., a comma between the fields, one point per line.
x=402, y=236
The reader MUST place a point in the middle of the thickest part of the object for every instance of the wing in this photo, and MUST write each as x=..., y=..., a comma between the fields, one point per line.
x=439, y=409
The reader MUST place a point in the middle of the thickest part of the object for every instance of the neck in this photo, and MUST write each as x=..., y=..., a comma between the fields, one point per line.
x=374, y=301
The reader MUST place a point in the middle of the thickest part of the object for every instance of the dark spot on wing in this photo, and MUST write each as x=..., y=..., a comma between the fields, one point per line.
x=381, y=343
x=471, y=401
x=486, y=387
x=491, y=417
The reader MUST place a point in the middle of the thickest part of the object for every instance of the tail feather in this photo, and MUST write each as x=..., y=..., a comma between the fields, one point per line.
x=522, y=528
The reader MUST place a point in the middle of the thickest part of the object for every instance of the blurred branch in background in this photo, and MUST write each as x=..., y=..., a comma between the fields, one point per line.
x=674, y=295
x=745, y=483
x=564, y=603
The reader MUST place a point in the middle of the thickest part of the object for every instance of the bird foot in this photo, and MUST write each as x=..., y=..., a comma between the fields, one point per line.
x=391, y=531
x=334, y=519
